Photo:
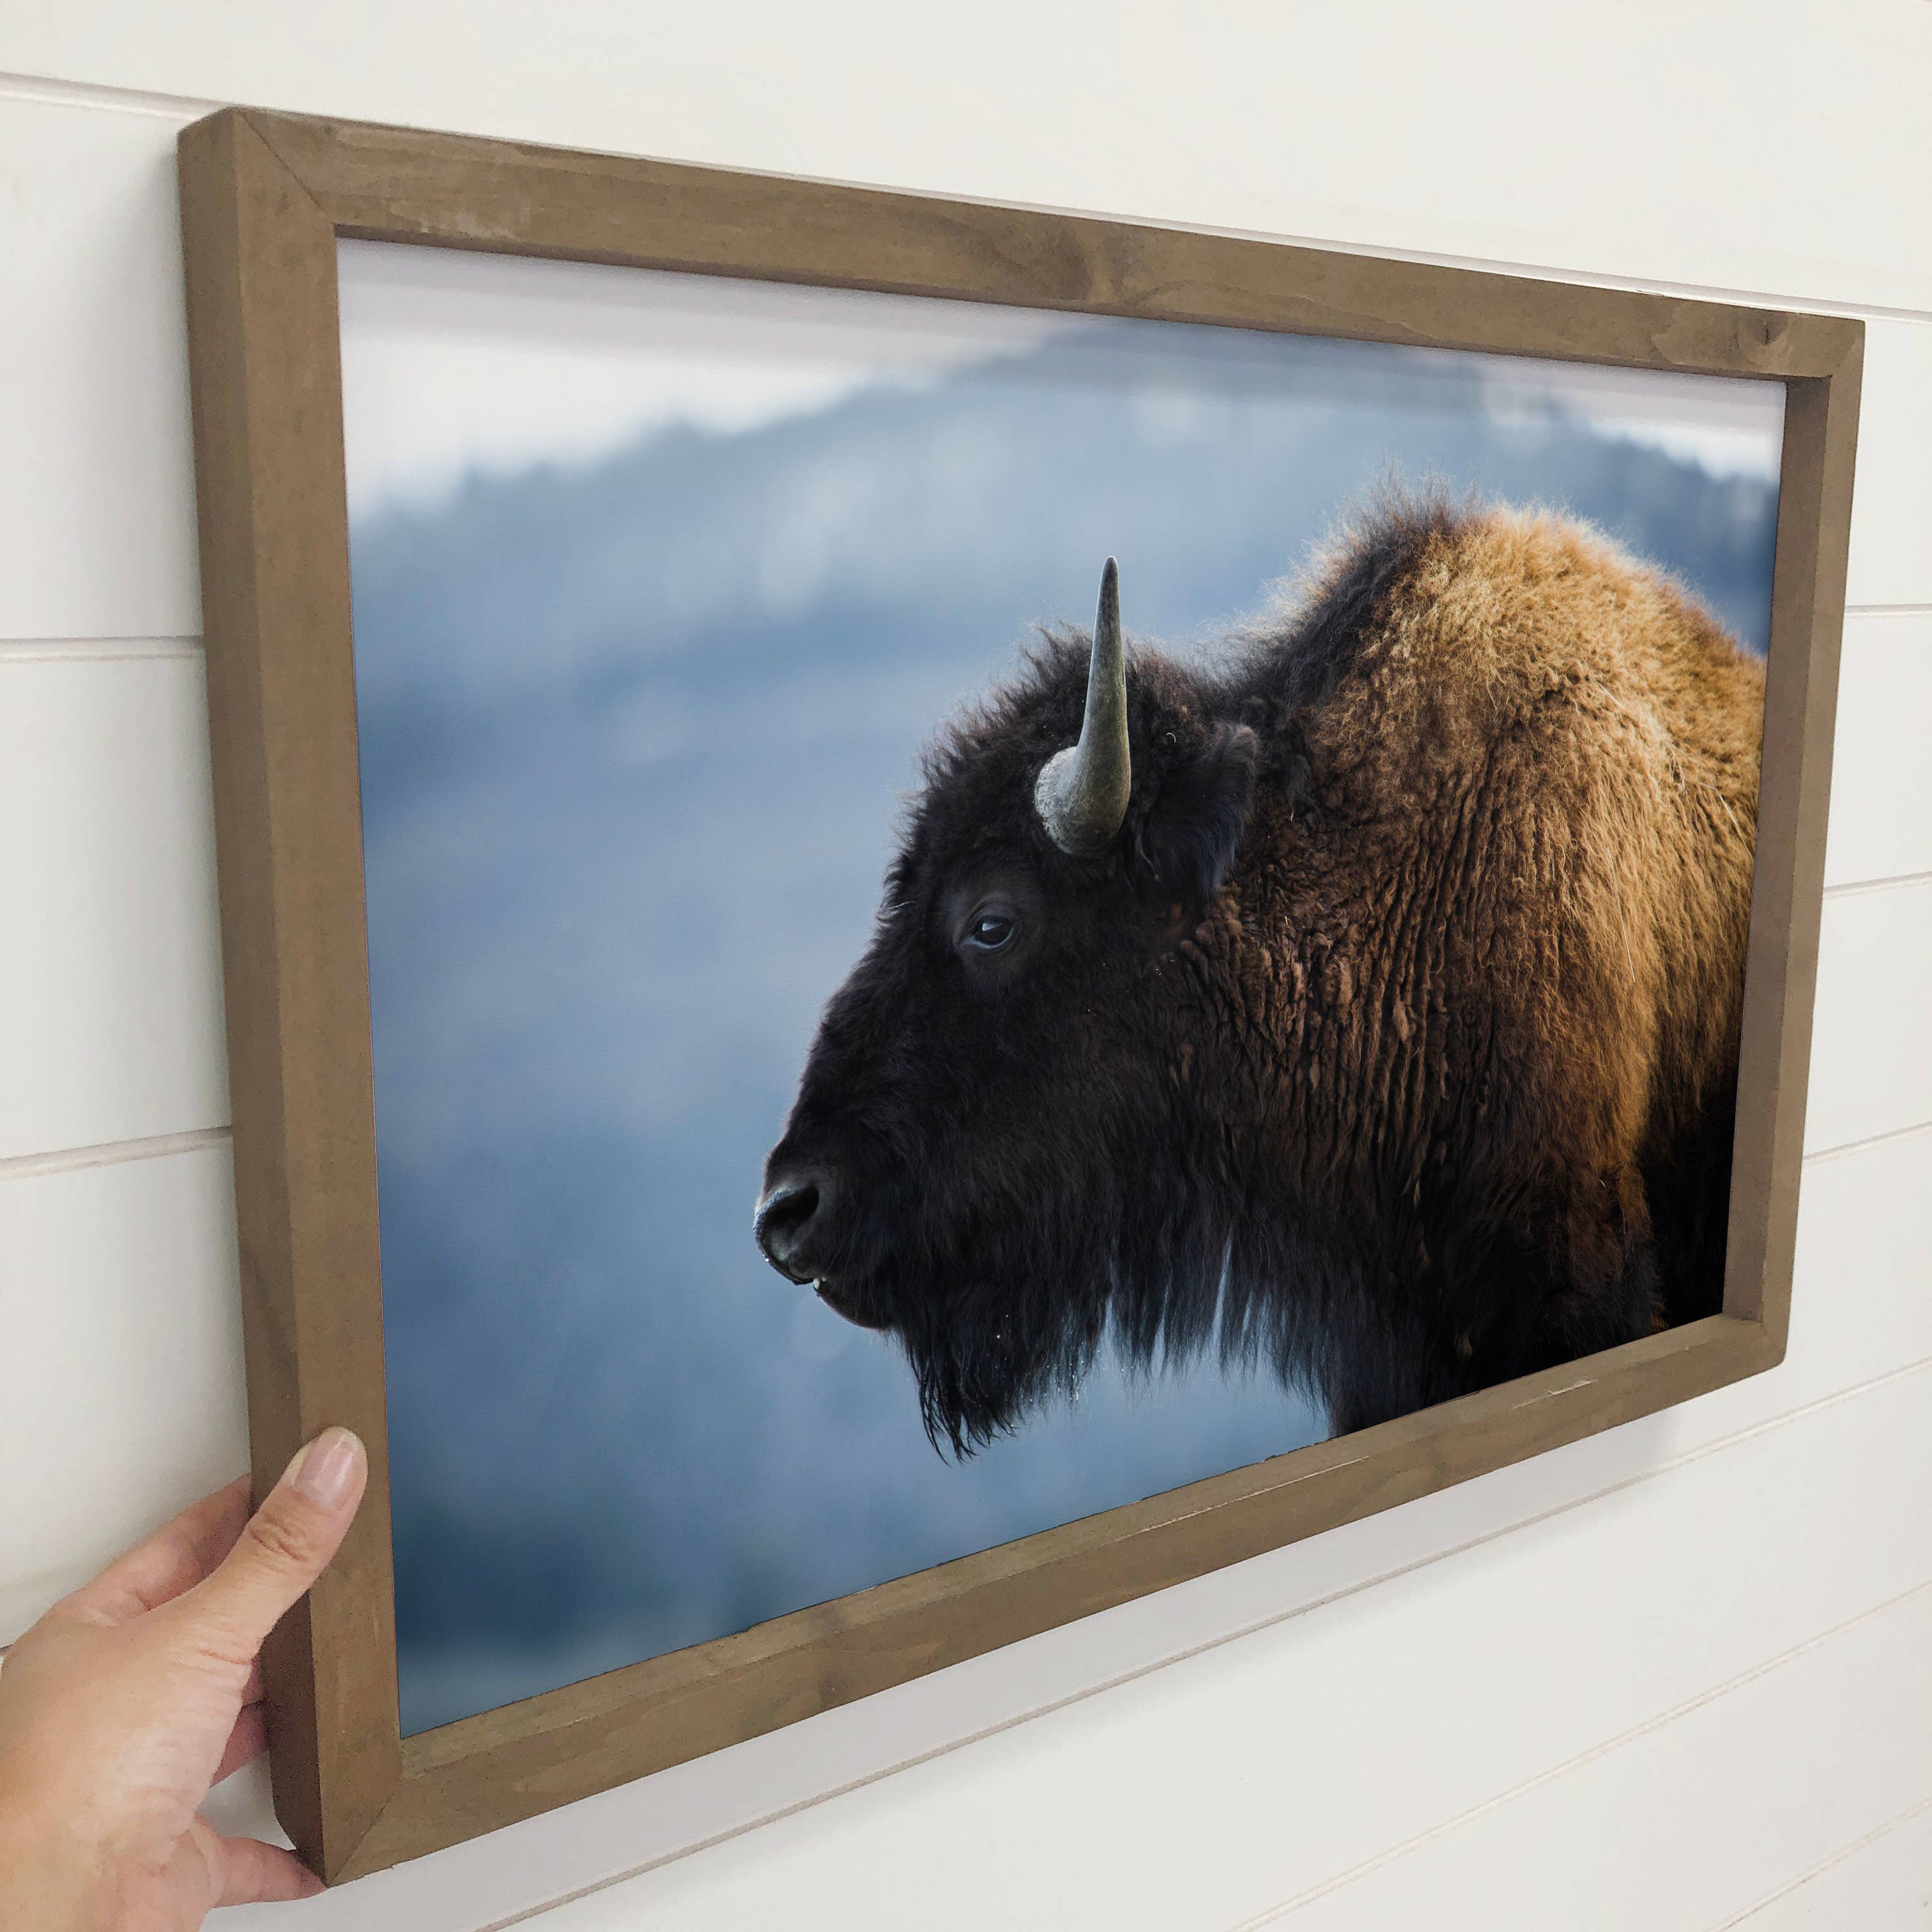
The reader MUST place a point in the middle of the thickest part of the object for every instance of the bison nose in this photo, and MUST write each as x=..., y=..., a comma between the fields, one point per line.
x=793, y=1207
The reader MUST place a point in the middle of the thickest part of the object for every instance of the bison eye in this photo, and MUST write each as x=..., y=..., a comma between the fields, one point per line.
x=989, y=931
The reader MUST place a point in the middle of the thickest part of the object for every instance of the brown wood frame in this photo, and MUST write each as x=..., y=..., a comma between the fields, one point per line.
x=264, y=198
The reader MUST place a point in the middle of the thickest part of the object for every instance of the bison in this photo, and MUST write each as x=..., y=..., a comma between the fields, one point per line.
x=1367, y=999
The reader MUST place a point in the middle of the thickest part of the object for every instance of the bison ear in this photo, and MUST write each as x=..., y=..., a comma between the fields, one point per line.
x=1194, y=827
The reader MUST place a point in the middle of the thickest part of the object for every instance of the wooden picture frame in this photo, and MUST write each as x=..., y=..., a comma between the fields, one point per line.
x=264, y=197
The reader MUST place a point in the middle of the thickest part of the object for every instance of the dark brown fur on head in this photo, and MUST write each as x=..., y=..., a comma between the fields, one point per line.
x=1392, y=1038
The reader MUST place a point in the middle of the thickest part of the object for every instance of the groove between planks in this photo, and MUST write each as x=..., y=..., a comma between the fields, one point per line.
x=33, y=650
x=1874, y=1836
x=43, y=650
x=110, y=1153
x=1275, y=1914
x=1851, y=888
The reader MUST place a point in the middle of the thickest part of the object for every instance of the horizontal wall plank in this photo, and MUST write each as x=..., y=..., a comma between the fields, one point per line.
x=1871, y=1034
x=110, y=982
x=1859, y=1308
x=1890, y=561
x=1882, y=1884
x=1284, y=1762
x=97, y=506
x=1786, y=1766
x=1881, y=823
x=1310, y=123
x=1859, y=1311
x=121, y=1370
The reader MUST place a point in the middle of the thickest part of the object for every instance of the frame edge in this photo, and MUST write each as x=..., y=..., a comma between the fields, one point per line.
x=276, y=621
x=407, y=1798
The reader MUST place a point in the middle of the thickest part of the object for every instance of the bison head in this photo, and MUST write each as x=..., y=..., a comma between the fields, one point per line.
x=1001, y=1142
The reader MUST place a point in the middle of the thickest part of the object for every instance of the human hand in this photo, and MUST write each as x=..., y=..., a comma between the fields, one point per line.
x=129, y=1699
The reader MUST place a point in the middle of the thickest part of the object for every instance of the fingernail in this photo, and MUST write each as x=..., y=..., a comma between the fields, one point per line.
x=328, y=1469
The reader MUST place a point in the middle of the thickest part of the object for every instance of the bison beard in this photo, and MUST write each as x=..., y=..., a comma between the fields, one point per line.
x=1381, y=1027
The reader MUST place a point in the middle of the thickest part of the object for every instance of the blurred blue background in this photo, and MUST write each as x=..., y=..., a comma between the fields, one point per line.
x=632, y=734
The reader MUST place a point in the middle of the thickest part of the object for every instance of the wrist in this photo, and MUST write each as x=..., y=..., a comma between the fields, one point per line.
x=50, y=1877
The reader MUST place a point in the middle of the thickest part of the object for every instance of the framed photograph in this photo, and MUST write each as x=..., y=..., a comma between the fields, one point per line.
x=935, y=914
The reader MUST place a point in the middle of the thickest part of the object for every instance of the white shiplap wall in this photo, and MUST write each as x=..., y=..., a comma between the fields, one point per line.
x=1679, y=1676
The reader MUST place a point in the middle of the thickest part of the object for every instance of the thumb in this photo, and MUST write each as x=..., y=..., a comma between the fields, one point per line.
x=288, y=1542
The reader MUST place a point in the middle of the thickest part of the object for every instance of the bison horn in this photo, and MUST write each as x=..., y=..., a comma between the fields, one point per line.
x=1081, y=794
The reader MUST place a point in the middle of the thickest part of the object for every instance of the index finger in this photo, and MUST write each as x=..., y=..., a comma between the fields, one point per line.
x=175, y=1558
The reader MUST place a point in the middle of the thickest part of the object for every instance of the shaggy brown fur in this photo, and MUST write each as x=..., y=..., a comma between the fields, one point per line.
x=1397, y=1035
x=1514, y=912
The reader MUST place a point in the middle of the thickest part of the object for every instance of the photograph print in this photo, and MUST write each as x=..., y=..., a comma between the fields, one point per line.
x=976, y=914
